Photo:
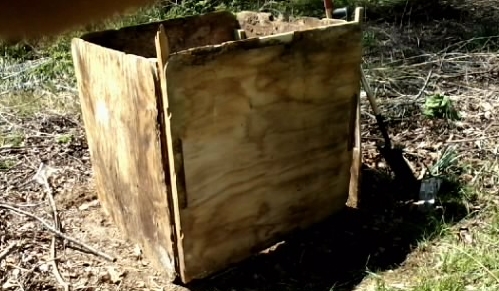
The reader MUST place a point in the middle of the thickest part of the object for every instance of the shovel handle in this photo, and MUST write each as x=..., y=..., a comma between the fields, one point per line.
x=369, y=92
x=374, y=106
x=328, y=6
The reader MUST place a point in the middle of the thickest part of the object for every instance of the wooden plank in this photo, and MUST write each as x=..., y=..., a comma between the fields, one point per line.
x=356, y=168
x=163, y=53
x=183, y=33
x=118, y=99
x=264, y=129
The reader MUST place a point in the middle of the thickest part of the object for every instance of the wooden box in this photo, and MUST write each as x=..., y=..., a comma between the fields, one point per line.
x=236, y=143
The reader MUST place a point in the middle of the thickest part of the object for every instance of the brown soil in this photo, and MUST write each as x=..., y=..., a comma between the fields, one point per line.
x=262, y=24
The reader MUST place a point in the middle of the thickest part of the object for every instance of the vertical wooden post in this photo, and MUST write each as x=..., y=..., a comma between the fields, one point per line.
x=355, y=170
x=163, y=53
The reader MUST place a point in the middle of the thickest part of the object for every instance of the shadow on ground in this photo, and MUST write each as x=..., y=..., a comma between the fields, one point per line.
x=336, y=254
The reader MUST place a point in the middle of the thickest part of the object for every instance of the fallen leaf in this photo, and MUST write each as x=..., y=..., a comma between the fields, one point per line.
x=44, y=267
x=8, y=285
x=137, y=252
x=88, y=205
x=115, y=276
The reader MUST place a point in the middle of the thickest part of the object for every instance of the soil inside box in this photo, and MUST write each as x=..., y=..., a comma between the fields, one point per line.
x=201, y=30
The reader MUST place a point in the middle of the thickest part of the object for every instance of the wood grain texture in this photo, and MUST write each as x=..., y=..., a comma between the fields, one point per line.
x=356, y=166
x=261, y=139
x=118, y=98
x=264, y=129
x=183, y=33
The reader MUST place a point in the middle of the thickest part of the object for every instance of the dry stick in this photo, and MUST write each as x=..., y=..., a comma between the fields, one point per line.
x=41, y=178
x=421, y=91
x=8, y=250
x=472, y=139
x=60, y=234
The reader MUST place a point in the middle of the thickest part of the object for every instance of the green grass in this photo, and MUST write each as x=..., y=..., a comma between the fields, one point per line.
x=64, y=138
x=6, y=164
x=453, y=263
x=462, y=256
x=11, y=139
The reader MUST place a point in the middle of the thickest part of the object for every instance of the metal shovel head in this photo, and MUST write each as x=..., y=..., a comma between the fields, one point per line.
x=396, y=161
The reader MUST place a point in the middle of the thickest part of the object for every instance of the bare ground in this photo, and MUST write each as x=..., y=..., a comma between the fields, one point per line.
x=407, y=63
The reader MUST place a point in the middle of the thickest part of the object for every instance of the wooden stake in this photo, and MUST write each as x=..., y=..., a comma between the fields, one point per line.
x=328, y=6
x=174, y=201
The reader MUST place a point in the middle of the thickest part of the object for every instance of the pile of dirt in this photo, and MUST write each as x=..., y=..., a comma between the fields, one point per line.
x=257, y=24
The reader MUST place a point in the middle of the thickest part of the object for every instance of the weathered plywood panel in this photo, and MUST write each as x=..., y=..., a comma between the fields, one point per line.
x=183, y=33
x=118, y=99
x=264, y=129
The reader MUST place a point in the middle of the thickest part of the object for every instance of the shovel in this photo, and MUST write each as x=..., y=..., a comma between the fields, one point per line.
x=393, y=156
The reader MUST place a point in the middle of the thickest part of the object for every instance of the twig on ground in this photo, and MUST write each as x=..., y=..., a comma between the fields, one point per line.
x=11, y=149
x=472, y=139
x=8, y=250
x=421, y=91
x=55, y=231
x=41, y=177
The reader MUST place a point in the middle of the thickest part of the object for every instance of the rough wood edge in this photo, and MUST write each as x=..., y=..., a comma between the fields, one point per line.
x=356, y=167
x=240, y=34
x=241, y=40
x=163, y=52
x=359, y=12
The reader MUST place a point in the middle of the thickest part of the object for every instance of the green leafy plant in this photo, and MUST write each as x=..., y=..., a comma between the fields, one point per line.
x=440, y=106
x=64, y=138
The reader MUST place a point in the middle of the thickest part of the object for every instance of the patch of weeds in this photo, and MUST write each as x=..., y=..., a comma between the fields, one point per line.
x=6, y=164
x=308, y=8
x=448, y=159
x=198, y=7
x=27, y=104
x=19, y=51
x=446, y=284
x=461, y=253
x=61, y=64
x=369, y=40
x=441, y=107
x=454, y=195
x=470, y=263
x=12, y=139
x=64, y=138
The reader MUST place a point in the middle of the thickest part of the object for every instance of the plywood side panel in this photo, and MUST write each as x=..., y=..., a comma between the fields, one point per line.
x=118, y=99
x=183, y=33
x=264, y=129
